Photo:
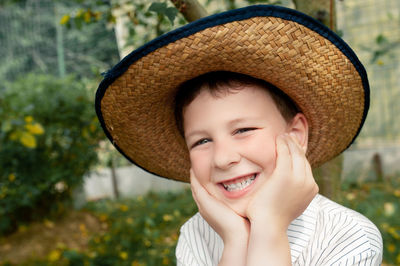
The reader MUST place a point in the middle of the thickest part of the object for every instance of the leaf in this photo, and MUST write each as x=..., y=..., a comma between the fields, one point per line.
x=162, y=9
x=158, y=7
x=381, y=39
x=171, y=13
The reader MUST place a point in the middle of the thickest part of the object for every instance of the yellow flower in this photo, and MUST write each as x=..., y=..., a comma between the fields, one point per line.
x=129, y=220
x=350, y=196
x=11, y=177
x=147, y=243
x=167, y=217
x=393, y=232
x=385, y=226
x=388, y=208
x=64, y=19
x=97, y=15
x=48, y=223
x=397, y=193
x=391, y=248
x=135, y=263
x=35, y=129
x=103, y=217
x=82, y=228
x=28, y=140
x=123, y=255
x=54, y=255
x=123, y=208
x=22, y=228
x=87, y=16
x=165, y=261
x=28, y=119
x=92, y=128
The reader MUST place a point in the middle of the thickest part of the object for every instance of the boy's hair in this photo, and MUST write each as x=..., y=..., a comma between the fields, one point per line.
x=220, y=82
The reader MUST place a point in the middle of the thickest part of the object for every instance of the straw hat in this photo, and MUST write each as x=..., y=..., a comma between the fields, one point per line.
x=294, y=52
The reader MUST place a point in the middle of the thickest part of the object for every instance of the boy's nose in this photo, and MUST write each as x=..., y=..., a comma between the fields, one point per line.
x=225, y=155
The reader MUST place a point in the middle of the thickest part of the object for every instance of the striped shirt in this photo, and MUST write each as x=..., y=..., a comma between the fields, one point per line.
x=325, y=234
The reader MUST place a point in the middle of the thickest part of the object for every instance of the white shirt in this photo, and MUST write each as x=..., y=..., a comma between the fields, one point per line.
x=325, y=234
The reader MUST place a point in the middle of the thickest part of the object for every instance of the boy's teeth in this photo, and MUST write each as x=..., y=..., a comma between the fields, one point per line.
x=243, y=183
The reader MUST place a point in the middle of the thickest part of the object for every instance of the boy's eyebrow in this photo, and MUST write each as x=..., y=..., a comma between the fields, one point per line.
x=242, y=119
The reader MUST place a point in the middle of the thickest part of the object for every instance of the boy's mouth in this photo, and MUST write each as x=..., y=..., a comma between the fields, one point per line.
x=239, y=183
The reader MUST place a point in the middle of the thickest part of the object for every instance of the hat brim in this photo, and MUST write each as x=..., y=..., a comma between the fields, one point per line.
x=292, y=51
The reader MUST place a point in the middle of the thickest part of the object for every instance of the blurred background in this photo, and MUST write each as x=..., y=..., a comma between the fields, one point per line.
x=68, y=198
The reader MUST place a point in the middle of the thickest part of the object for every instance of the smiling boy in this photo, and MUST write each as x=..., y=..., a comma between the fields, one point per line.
x=233, y=128
x=242, y=104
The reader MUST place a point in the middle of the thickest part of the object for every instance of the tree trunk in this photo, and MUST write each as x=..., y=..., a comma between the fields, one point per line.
x=190, y=9
x=121, y=31
x=328, y=176
x=321, y=10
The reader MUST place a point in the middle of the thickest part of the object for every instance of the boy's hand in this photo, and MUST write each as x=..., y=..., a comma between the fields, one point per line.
x=280, y=199
x=288, y=191
x=233, y=229
x=227, y=223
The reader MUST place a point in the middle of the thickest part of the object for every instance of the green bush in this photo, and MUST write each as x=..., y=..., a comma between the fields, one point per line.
x=139, y=231
x=48, y=137
x=380, y=202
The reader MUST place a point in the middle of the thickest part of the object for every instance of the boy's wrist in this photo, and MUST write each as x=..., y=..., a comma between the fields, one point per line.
x=235, y=251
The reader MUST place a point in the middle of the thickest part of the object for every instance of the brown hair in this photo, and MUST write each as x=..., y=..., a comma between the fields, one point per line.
x=220, y=82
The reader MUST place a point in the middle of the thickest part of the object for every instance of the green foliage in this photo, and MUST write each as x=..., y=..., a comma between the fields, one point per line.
x=164, y=10
x=30, y=43
x=380, y=202
x=139, y=231
x=48, y=138
x=144, y=20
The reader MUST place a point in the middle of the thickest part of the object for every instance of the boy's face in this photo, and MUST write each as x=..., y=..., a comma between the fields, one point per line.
x=231, y=141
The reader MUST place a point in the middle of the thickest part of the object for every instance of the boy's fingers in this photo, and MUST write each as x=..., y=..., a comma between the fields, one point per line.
x=302, y=167
x=283, y=162
x=298, y=157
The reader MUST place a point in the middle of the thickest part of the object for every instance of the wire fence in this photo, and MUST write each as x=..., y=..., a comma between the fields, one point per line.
x=33, y=40
x=372, y=28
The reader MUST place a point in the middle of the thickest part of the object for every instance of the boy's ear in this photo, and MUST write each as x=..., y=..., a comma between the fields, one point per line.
x=299, y=128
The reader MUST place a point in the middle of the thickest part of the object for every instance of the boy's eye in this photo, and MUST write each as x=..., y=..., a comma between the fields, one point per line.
x=200, y=142
x=243, y=130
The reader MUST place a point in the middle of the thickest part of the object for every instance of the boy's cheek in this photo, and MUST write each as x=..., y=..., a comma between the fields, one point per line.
x=199, y=167
x=261, y=151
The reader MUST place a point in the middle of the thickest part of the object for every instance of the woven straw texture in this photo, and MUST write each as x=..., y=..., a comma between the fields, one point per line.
x=138, y=106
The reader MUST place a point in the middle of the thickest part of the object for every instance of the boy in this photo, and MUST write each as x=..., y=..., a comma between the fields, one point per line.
x=242, y=103
x=248, y=191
